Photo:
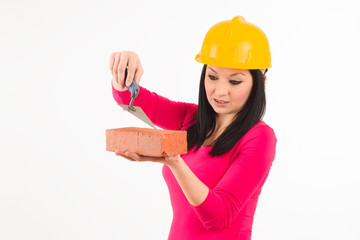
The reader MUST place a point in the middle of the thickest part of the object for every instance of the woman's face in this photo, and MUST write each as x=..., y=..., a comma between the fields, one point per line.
x=227, y=89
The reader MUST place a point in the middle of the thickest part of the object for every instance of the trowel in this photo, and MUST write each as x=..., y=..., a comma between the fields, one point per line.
x=136, y=111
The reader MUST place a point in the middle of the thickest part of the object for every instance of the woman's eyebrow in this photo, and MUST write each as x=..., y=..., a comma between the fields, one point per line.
x=230, y=75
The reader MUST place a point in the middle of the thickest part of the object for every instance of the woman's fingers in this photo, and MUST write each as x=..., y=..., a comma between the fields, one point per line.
x=139, y=158
x=131, y=70
x=119, y=61
x=113, y=70
x=112, y=61
x=138, y=74
x=124, y=156
x=135, y=157
x=123, y=62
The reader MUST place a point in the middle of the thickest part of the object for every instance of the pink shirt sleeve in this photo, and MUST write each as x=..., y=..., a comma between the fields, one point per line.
x=244, y=177
x=163, y=112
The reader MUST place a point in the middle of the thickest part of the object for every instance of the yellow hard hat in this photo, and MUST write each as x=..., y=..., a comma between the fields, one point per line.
x=235, y=44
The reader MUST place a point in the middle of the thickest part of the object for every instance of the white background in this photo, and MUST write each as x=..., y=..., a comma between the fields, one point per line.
x=58, y=182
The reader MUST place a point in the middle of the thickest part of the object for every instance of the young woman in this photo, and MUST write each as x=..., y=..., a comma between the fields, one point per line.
x=214, y=188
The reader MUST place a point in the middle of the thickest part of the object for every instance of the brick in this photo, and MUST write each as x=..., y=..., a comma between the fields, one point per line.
x=146, y=141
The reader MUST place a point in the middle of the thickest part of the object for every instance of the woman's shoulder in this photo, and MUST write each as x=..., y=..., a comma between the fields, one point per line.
x=261, y=131
x=260, y=127
x=259, y=138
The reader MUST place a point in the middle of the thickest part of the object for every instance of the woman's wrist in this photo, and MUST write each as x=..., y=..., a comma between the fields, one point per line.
x=173, y=161
x=117, y=86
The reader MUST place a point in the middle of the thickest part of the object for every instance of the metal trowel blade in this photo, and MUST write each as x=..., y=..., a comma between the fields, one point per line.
x=139, y=113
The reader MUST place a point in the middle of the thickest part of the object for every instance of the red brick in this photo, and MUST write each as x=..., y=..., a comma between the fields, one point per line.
x=146, y=141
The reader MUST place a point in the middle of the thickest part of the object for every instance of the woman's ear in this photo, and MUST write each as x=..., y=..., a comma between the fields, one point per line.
x=264, y=78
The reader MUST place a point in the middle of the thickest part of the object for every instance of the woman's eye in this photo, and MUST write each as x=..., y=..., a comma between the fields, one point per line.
x=233, y=82
x=212, y=77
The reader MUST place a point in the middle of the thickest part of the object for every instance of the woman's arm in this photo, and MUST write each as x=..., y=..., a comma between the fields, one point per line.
x=217, y=207
x=162, y=112
x=194, y=190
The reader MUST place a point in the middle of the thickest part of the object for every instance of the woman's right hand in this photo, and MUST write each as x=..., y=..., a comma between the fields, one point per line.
x=119, y=61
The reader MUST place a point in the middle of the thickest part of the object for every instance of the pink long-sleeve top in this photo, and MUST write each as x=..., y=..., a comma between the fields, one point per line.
x=234, y=179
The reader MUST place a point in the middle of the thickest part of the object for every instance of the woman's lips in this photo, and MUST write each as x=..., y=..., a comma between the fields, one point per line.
x=220, y=103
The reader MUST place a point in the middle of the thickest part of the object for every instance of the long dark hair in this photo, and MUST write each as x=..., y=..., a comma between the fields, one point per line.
x=250, y=114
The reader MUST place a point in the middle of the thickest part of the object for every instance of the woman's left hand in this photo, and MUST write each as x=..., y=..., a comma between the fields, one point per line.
x=139, y=158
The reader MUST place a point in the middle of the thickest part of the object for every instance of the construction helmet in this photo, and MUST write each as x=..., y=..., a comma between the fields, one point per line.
x=235, y=44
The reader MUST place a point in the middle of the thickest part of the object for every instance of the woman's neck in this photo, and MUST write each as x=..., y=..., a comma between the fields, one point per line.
x=223, y=121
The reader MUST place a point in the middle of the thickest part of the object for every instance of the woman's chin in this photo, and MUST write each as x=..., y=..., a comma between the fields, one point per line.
x=220, y=110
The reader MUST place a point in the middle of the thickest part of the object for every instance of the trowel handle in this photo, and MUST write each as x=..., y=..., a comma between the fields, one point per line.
x=134, y=87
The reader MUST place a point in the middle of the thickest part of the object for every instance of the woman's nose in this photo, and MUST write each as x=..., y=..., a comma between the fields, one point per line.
x=221, y=89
